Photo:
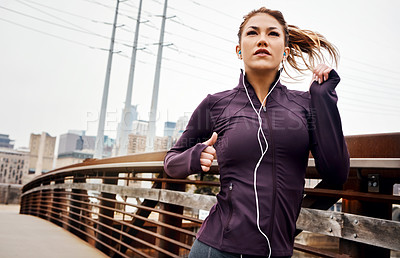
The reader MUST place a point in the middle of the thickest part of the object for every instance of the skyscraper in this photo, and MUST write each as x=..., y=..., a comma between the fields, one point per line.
x=41, y=152
x=6, y=142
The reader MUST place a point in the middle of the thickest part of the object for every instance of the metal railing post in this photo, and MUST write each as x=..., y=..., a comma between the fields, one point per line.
x=75, y=208
x=56, y=208
x=170, y=220
x=44, y=202
x=107, y=213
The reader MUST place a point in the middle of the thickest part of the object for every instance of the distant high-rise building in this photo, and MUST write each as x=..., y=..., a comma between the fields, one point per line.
x=14, y=166
x=140, y=127
x=41, y=155
x=161, y=143
x=108, y=146
x=123, y=130
x=75, y=146
x=78, y=132
x=180, y=127
x=169, y=128
x=75, y=141
x=74, y=157
x=6, y=142
x=137, y=143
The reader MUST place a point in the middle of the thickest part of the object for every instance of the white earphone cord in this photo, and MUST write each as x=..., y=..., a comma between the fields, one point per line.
x=263, y=152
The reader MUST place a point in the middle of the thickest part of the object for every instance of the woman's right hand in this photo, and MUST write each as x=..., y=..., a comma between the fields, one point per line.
x=208, y=154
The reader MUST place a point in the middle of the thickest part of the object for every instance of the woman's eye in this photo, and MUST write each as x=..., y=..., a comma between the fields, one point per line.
x=252, y=32
x=274, y=33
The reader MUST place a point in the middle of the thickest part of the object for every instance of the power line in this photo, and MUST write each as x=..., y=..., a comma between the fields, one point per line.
x=144, y=23
x=198, y=77
x=148, y=24
x=205, y=32
x=141, y=35
x=200, y=18
x=376, y=105
x=129, y=4
x=55, y=17
x=81, y=30
x=135, y=7
x=372, y=91
x=174, y=70
x=201, y=43
x=215, y=10
x=53, y=23
x=362, y=111
x=52, y=35
x=188, y=65
x=103, y=5
x=191, y=54
x=196, y=67
x=369, y=81
x=369, y=73
x=90, y=32
x=68, y=13
x=370, y=65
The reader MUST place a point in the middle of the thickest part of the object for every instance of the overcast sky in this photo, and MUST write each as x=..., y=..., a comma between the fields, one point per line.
x=54, y=55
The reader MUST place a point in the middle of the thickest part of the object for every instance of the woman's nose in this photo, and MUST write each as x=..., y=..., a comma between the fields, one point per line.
x=262, y=41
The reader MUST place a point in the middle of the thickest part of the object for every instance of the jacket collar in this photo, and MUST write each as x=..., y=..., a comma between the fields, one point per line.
x=250, y=88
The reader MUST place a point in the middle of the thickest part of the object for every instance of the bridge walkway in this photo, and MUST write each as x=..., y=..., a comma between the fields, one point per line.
x=30, y=236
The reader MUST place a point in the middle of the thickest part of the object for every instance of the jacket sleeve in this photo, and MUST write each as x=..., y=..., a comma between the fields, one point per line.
x=327, y=142
x=184, y=158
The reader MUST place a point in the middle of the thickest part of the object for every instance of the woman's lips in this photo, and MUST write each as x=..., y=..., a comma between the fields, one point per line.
x=262, y=52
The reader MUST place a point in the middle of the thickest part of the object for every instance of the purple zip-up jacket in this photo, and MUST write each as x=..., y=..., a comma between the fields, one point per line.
x=294, y=123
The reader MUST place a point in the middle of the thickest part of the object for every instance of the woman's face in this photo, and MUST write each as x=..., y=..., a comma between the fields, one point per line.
x=262, y=44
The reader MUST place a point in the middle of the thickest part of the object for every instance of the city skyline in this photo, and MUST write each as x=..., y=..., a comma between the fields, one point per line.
x=54, y=81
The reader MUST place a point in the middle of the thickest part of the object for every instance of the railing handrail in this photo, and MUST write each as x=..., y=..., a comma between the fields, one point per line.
x=157, y=166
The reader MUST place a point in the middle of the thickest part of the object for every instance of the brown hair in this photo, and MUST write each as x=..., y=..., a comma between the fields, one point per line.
x=304, y=44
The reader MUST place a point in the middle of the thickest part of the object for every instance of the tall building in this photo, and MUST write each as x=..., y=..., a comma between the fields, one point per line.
x=108, y=146
x=75, y=141
x=5, y=142
x=180, y=127
x=75, y=146
x=14, y=166
x=74, y=157
x=140, y=127
x=123, y=130
x=169, y=128
x=161, y=143
x=41, y=153
x=137, y=143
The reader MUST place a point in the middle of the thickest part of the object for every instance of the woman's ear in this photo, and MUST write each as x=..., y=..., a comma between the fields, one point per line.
x=238, y=52
x=286, y=53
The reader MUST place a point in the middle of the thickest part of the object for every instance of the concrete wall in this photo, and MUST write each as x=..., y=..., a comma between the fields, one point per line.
x=10, y=193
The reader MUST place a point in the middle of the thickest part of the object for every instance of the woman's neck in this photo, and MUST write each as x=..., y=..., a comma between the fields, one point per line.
x=261, y=82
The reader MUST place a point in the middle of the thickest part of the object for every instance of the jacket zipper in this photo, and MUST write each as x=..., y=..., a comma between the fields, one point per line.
x=273, y=175
x=230, y=206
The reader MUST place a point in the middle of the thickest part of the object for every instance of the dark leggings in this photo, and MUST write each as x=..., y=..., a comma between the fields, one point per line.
x=201, y=250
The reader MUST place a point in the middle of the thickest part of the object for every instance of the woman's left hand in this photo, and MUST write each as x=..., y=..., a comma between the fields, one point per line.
x=321, y=73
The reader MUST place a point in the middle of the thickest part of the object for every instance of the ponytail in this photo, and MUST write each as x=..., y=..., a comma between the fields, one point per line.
x=306, y=47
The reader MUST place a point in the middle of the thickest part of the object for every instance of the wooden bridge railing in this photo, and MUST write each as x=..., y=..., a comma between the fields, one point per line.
x=128, y=207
